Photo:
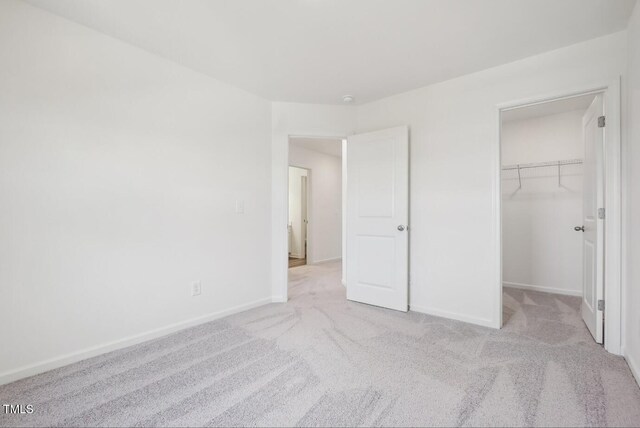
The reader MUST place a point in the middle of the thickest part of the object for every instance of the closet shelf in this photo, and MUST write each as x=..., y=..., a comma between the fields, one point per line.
x=558, y=164
x=542, y=164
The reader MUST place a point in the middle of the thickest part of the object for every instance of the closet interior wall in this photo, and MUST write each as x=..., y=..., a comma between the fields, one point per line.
x=542, y=202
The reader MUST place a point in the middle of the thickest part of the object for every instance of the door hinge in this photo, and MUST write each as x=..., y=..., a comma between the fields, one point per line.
x=601, y=305
x=601, y=213
x=601, y=122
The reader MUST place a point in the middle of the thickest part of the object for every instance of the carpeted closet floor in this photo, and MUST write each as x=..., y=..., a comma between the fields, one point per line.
x=320, y=360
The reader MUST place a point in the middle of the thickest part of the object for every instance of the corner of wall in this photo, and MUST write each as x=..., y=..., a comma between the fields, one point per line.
x=634, y=366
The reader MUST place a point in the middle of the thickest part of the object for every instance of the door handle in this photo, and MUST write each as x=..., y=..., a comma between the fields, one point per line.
x=579, y=228
x=401, y=228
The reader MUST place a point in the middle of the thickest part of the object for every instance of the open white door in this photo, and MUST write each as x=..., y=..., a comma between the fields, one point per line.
x=377, y=218
x=593, y=223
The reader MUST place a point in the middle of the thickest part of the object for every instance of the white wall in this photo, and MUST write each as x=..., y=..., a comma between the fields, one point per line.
x=293, y=119
x=543, y=138
x=540, y=248
x=632, y=152
x=119, y=175
x=325, y=204
x=295, y=212
x=455, y=269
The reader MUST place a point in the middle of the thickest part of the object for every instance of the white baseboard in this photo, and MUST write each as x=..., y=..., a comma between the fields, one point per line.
x=278, y=299
x=454, y=316
x=542, y=289
x=633, y=365
x=319, y=262
x=64, y=360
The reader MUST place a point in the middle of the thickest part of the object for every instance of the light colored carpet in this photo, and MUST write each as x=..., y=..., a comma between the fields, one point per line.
x=320, y=360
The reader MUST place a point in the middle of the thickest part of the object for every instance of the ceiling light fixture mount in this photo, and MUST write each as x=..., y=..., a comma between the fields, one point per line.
x=348, y=99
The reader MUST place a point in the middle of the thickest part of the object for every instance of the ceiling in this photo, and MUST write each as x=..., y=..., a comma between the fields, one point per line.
x=316, y=51
x=545, y=109
x=329, y=146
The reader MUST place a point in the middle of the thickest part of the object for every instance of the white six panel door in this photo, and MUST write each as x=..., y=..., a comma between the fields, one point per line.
x=593, y=227
x=377, y=211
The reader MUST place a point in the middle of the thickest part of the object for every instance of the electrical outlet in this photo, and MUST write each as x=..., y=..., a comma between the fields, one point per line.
x=196, y=288
x=239, y=206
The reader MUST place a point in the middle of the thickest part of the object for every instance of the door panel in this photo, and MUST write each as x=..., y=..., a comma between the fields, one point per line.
x=593, y=227
x=374, y=255
x=377, y=204
x=375, y=178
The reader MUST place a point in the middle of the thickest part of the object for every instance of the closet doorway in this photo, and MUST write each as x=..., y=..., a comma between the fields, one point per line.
x=553, y=181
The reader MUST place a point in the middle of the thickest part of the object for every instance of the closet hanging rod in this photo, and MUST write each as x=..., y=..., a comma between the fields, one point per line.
x=542, y=164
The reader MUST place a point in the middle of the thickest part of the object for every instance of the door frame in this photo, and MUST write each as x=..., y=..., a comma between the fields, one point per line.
x=308, y=210
x=284, y=263
x=615, y=184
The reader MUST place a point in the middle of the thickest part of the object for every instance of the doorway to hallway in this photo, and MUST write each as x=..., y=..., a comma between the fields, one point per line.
x=314, y=227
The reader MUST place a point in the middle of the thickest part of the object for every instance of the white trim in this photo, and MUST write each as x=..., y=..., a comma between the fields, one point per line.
x=315, y=137
x=343, y=213
x=541, y=288
x=555, y=96
x=64, y=360
x=633, y=366
x=613, y=203
x=452, y=315
x=496, y=199
x=278, y=299
x=613, y=220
